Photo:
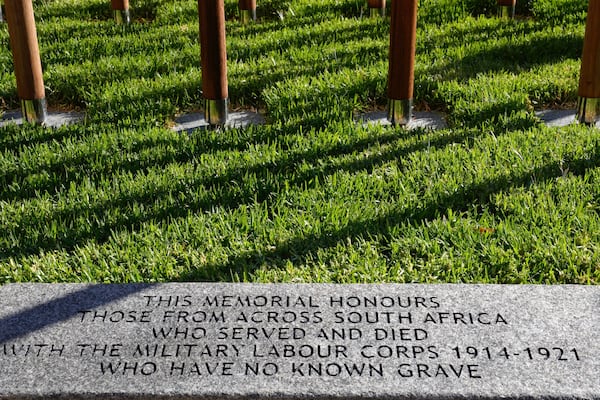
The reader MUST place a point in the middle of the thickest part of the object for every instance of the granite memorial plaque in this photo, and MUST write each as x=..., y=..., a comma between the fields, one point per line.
x=283, y=341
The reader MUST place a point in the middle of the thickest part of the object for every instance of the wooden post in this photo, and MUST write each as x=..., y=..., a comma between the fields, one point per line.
x=213, y=57
x=247, y=10
x=588, y=110
x=506, y=8
x=401, y=72
x=120, y=10
x=26, y=57
x=376, y=8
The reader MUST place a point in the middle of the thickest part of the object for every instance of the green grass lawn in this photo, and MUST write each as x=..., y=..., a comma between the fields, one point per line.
x=311, y=196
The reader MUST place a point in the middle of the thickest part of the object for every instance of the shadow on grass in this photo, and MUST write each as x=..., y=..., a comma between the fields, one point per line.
x=232, y=188
x=507, y=115
x=92, y=10
x=345, y=8
x=95, y=90
x=95, y=10
x=258, y=183
x=302, y=248
x=519, y=57
x=15, y=137
x=316, y=35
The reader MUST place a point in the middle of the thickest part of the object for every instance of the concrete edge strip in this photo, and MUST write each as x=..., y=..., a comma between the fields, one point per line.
x=241, y=119
x=55, y=119
x=421, y=119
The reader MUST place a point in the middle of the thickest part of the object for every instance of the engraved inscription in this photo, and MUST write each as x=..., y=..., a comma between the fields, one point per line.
x=181, y=336
x=213, y=340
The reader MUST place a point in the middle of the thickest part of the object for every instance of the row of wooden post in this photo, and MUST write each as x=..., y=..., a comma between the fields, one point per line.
x=403, y=24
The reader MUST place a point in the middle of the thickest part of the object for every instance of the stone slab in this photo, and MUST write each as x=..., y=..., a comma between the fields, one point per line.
x=420, y=119
x=240, y=119
x=557, y=118
x=284, y=341
x=54, y=119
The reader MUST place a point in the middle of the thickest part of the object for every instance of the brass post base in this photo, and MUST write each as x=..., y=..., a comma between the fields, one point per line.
x=34, y=111
x=247, y=16
x=215, y=111
x=506, y=12
x=588, y=110
x=122, y=17
x=399, y=111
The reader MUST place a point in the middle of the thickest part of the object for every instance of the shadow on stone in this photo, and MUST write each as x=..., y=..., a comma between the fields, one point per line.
x=62, y=307
x=55, y=119
x=241, y=119
x=420, y=119
x=559, y=118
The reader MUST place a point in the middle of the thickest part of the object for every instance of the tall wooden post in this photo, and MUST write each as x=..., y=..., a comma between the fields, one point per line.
x=401, y=72
x=506, y=8
x=26, y=57
x=120, y=10
x=247, y=10
x=376, y=8
x=588, y=110
x=213, y=58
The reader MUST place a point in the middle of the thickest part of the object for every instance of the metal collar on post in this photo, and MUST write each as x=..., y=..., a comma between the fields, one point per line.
x=399, y=111
x=122, y=17
x=588, y=110
x=34, y=111
x=216, y=111
x=121, y=13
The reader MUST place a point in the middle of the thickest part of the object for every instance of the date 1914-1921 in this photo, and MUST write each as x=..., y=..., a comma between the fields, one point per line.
x=504, y=353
